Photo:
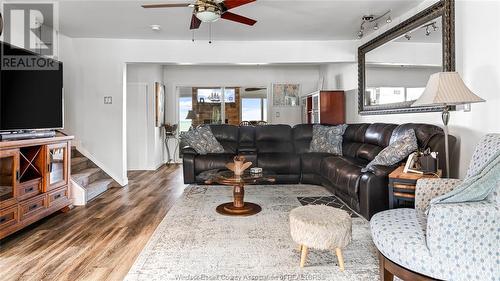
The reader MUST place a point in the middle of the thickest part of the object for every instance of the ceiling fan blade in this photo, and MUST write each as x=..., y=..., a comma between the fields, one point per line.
x=149, y=6
x=195, y=22
x=231, y=4
x=254, y=89
x=237, y=18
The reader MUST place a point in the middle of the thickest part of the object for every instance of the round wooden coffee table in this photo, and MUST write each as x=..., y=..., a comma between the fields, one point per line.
x=238, y=207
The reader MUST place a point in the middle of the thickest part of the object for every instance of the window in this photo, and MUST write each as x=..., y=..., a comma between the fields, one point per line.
x=185, y=105
x=388, y=95
x=215, y=95
x=414, y=93
x=253, y=109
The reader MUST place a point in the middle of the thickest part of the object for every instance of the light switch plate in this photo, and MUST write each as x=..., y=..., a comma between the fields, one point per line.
x=277, y=114
x=108, y=100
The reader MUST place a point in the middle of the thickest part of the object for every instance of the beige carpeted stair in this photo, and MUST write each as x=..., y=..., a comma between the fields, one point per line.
x=90, y=177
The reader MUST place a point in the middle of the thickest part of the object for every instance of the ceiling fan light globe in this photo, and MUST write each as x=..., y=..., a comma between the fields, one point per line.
x=208, y=16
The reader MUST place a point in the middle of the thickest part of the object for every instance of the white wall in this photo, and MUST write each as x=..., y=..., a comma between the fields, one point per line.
x=478, y=61
x=339, y=76
x=145, y=141
x=383, y=76
x=407, y=53
x=241, y=76
x=97, y=68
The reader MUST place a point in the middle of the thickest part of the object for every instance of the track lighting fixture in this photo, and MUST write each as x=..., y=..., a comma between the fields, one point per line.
x=367, y=19
x=360, y=34
x=429, y=28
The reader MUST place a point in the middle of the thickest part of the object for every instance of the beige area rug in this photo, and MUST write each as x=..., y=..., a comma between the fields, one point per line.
x=194, y=242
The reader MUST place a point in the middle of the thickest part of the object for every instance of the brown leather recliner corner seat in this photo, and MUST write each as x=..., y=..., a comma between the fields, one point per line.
x=285, y=151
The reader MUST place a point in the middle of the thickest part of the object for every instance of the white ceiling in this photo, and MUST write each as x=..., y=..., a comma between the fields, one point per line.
x=277, y=19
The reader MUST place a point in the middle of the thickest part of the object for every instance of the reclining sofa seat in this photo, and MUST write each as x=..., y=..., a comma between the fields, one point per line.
x=285, y=151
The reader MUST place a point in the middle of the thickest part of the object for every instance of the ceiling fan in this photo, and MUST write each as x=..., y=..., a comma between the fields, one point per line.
x=210, y=10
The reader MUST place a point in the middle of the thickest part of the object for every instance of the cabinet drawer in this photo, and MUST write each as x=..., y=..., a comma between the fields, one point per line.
x=58, y=196
x=29, y=189
x=32, y=206
x=8, y=217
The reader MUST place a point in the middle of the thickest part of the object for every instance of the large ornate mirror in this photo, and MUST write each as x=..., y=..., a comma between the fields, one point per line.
x=393, y=68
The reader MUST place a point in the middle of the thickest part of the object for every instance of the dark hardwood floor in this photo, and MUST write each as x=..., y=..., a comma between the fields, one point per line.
x=99, y=241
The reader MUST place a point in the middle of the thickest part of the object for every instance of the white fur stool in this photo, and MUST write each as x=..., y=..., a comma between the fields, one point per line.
x=320, y=227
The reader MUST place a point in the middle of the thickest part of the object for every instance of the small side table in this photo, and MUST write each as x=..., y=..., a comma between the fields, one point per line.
x=176, y=141
x=402, y=187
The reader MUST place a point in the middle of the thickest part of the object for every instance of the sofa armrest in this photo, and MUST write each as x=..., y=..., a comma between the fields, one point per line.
x=427, y=189
x=381, y=171
x=465, y=235
x=374, y=191
x=188, y=157
x=188, y=150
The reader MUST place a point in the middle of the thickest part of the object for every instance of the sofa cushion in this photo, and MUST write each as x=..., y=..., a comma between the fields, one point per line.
x=212, y=161
x=227, y=136
x=353, y=143
x=302, y=136
x=327, y=139
x=396, y=151
x=311, y=162
x=246, y=136
x=355, y=132
x=342, y=173
x=379, y=134
x=279, y=163
x=274, y=139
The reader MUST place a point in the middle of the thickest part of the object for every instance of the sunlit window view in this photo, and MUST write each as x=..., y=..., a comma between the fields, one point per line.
x=185, y=105
x=388, y=95
x=199, y=105
x=253, y=105
x=253, y=109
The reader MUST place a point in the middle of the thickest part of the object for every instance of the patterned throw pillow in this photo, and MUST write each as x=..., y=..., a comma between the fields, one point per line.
x=212, y=145
x=202, y=140
x=193, y=139
x=396, y=152
x=327, y=139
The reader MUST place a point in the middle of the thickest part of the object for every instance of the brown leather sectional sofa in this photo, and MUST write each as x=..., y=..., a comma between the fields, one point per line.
x=285, y=151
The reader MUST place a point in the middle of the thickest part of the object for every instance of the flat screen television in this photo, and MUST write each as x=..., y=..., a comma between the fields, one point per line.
x=31, y=98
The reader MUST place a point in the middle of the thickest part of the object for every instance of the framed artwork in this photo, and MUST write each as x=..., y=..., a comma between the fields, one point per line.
x=159, y=104
x=285, y=94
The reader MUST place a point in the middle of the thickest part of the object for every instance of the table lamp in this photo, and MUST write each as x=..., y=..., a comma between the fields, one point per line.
x=446, y=89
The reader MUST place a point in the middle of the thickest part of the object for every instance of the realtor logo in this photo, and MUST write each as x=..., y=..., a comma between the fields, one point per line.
x=30, y=26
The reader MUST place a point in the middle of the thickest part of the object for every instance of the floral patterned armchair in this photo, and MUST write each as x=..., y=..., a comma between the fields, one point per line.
x=454, y=241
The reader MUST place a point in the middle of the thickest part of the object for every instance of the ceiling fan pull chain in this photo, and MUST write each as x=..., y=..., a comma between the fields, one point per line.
x=210, y=33
x=192, y=36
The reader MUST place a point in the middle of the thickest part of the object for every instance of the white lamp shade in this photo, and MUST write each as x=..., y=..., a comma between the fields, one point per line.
x=446, y=88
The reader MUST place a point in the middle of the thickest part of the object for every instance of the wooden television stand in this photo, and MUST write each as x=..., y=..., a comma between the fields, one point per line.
x=34, y=180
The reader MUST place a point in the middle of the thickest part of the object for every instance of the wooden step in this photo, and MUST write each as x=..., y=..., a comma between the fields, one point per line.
x=78, y=164
x=87, y=176
x=75, y=152
x=97, y=187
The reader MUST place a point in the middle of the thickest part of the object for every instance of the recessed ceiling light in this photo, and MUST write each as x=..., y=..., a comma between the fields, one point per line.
x=155, y=27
